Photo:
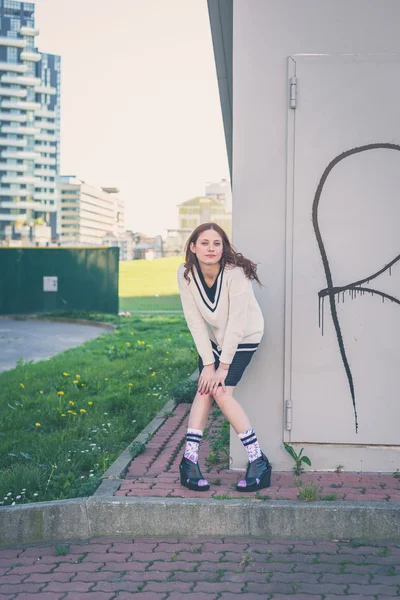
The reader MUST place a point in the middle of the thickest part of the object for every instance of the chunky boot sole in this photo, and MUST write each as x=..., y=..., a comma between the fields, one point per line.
x=190, y=475
x=265, y=482
x=193, y=486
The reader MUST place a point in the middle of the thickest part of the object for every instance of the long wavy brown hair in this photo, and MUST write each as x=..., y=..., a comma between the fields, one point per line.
x=229, y=254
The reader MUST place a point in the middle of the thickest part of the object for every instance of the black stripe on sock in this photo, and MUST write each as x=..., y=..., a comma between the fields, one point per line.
x=248, y=437
x=190, y=438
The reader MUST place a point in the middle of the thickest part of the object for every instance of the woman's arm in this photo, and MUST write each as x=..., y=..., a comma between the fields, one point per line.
x=195, y=321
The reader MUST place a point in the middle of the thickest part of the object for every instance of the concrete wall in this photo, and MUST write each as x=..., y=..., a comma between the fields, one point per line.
x=265, y=33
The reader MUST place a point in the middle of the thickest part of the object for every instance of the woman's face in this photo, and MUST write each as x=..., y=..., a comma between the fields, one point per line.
x=208, y=247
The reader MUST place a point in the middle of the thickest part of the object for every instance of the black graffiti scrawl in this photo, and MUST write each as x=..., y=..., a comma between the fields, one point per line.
x=356, y=287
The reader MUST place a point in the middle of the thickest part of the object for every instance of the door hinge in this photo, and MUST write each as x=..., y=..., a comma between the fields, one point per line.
x=293, y=92
x=288, y=414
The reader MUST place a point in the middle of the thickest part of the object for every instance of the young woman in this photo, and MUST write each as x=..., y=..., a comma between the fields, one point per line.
x=227, y=325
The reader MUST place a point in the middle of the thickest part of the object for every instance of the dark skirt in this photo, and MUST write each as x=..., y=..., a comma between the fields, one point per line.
x=242, y=358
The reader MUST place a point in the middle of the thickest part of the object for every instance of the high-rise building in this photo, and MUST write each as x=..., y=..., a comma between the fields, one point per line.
x=89, y=214
x=29, y=128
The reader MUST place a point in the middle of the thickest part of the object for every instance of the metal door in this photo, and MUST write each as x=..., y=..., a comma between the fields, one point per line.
x=342, y=340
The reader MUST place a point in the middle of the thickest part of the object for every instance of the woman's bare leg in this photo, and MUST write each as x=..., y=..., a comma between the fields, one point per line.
x=199, y=411
x=232, y=410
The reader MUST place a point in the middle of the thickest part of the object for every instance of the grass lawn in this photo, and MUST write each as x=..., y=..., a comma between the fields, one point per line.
x=66, y=419
x=149, y=285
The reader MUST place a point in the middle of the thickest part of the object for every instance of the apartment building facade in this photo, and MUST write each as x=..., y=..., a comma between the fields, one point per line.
x=89, y=214
x=29, y=128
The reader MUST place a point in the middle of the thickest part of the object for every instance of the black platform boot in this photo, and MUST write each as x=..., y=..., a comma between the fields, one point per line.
x=258, y=469
x=190, y=475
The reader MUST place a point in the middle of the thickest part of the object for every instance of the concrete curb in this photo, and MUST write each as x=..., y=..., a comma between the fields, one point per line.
x=108, y=326
x=84, y=518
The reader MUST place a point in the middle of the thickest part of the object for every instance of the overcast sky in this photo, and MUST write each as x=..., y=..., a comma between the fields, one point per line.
x=139, y=100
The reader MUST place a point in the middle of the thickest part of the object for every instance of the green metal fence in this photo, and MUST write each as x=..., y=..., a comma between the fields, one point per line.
x=34, y=280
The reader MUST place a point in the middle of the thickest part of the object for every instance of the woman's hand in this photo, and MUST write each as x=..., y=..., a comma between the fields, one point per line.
x=205, y=379
x=218, y=378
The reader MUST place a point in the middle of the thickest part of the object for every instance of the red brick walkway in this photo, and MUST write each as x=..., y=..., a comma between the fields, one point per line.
x=201, y=569
x=156, y=472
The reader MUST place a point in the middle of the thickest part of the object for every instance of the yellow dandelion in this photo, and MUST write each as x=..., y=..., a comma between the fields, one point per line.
x=82, y=385
x=73, y=413
x=22, y=385
x=63, y=415
x=77, y=376
x=131, y=333
x=71, y=403
x=70, y=412
x=167, y=359
x=112, y=347
x=128, y=344
x=105, y=378
x=54, y=466
x=60, y=393
x=153, y=373
x=37, y=424
x=169, y=340
x=66, y=374
x=90, y=403
x=40, y=391
x=130, y=384
x=82, y=410
x=123, y=372
x=167, y=353
x=76, y=381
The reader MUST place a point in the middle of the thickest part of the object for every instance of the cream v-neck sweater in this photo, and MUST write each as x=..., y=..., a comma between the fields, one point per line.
x=234, y=320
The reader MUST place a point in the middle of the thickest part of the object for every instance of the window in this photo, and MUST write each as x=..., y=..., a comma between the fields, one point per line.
x=12, y=55
x=15, y=24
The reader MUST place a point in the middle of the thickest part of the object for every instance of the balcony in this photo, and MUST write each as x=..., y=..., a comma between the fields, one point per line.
x=21, y=79
x=11, y=168
x=30, y=56
x=51, y=185
x=45, y=172
x=20, y=216
x=19, y=154
x=44, y=196
x=12, y=42
x=17, y=68
x=4, y=141
x=45, y=125
x=25, y=204
x=20, y=179
x=46, y=89
x=46, y=137
x=45, y=149
x=46, y=114
x=29, y=31
x=22, y=193
x=21, y=105
x=12, y=92
x=41, y=160
x=10, y=117
x=20, y=130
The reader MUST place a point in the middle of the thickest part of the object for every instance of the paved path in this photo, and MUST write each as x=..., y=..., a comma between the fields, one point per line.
x=38, y=340
x=156, y=472
x=201, y=569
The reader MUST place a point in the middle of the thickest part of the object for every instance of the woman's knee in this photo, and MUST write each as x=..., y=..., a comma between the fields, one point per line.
x=220, y=396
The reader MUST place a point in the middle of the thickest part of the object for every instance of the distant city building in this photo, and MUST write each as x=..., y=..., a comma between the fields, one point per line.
x=125, y=242
x=220, y=190
x=215, y=206
x=89, y=214
x=148, y=247
x=30, y=129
